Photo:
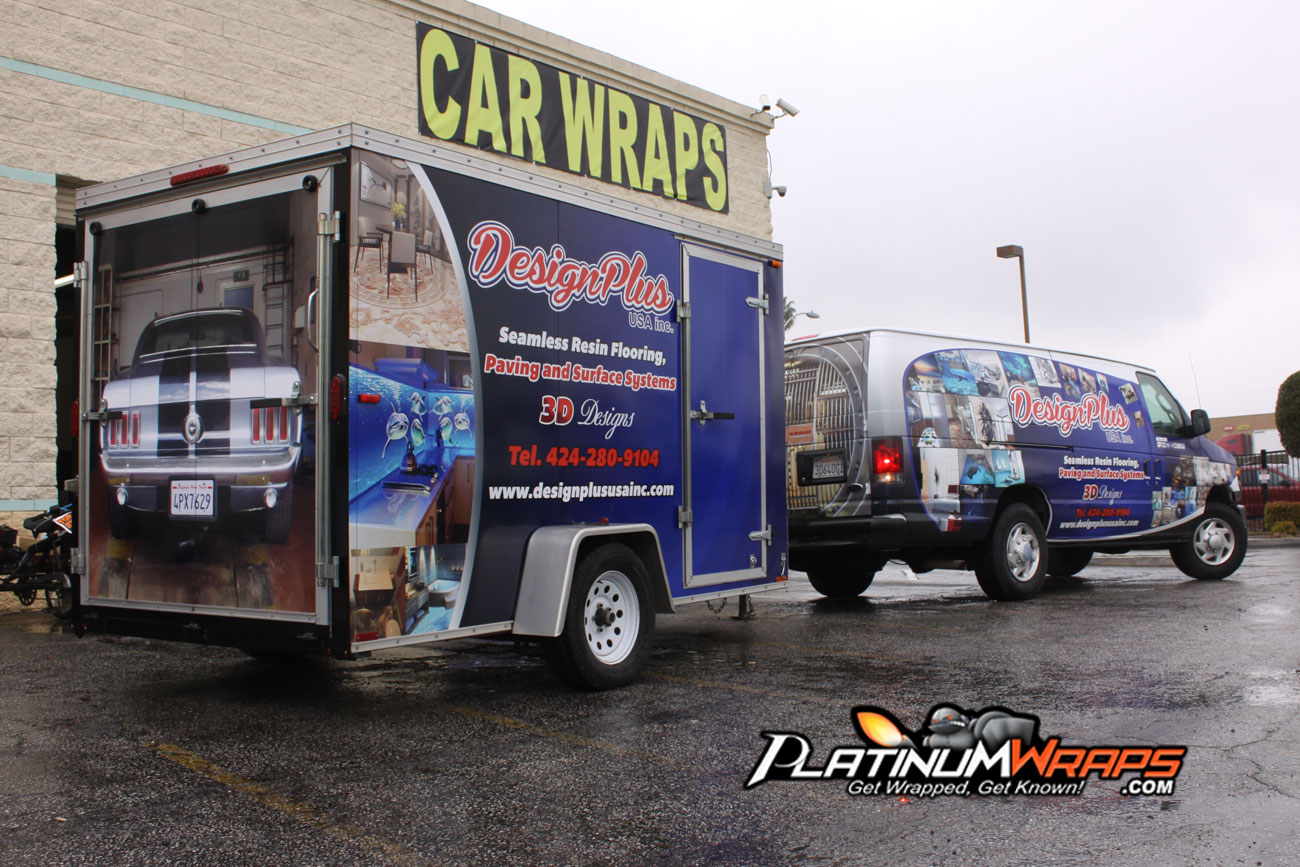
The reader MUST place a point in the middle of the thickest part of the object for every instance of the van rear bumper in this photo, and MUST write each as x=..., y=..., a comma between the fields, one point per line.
x=878, y=532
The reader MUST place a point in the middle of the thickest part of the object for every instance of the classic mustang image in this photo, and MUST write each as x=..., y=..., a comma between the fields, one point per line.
x=197, y=428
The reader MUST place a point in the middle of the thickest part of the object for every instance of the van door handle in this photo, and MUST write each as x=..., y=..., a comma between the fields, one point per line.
x=703, y=414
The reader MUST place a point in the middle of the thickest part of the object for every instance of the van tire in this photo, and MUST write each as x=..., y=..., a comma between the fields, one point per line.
x=1216, y=547
x=609, y=621
x=1013, y=563
x=843, y=578
x=1067, y=562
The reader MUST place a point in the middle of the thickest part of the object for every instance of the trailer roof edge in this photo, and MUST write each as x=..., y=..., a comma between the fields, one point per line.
x=306, y=145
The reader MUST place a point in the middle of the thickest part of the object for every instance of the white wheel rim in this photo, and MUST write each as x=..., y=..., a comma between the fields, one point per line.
x=1214, y=542
x=611, y=617
x=1023, y=552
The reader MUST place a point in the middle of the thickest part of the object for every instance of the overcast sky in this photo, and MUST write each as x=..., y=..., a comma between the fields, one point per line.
x=1146, y=155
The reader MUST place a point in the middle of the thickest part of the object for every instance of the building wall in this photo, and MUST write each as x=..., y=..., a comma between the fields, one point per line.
x=99, y=90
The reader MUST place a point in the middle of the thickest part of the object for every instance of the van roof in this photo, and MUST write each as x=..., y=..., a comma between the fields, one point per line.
x=1018, y=347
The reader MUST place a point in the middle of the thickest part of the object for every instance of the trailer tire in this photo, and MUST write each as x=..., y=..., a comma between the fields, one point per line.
x=609, y=621
x=279, y=519
x=1067, y=562
x=1012, y=565
x=1216, y=547
x=843, y=578
x=121, y=523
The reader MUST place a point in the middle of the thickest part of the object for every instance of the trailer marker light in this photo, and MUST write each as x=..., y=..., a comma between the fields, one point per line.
x=367, y=636
x=368, y=398
x=75, y=419
x=199, y=174
x=336, y=397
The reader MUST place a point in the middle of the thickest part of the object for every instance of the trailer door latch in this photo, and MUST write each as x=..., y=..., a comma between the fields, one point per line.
x=684, y=516
x=703, y=414
x=327, y=224
x=760, y=303
x=762, y=535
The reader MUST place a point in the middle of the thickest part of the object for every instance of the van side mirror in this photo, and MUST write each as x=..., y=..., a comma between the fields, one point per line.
x=1200, y=425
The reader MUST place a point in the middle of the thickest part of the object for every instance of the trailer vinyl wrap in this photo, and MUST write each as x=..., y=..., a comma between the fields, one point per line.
x=560, y=395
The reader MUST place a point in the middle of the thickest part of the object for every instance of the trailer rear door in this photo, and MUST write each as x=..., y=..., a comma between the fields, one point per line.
x=199, y=487
x=726, y=434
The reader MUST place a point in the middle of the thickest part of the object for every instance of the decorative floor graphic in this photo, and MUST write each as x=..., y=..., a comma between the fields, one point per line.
x=388, y=311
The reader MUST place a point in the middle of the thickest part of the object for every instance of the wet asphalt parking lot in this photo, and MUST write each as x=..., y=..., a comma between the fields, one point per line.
x=126, y=751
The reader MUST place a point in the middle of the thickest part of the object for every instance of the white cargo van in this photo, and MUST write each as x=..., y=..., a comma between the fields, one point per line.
x=1015, y=461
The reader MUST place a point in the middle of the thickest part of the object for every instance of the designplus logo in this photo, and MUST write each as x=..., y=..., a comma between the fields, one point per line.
x=956, y=752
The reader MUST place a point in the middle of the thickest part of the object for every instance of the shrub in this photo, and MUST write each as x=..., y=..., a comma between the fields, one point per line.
x=1284, y=528
x=1278, y=512
x=1287, y=414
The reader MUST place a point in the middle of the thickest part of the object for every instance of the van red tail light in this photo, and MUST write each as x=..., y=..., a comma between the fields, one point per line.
x=887, y=460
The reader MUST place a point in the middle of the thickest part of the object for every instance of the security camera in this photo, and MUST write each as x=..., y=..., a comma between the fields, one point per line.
x=764, y=102
x=786, y=107
x=768, y=190
x=780, y=191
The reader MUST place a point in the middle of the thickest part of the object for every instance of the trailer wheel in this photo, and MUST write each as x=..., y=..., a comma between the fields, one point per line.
x=279, y=518
x=609, y=620
x=1217, y=545
x=1013, y=562
x=1067, y=562
x=843, y=578
x=121, y=523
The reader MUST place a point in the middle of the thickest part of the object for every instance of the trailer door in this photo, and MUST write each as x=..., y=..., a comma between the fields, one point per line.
x=725, y=438
x=200, y=488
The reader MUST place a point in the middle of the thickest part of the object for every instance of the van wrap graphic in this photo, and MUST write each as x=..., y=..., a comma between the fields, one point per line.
x=980, y=419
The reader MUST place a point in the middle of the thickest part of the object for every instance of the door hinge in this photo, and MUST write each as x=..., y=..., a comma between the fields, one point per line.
x=683, y=310
x=329, y=225
x=95, y=415
x=81, y=274
x=78, y=562
x=327, y=574
x=762, y=535
x=299, y=400
x=760, y=303
x=685, y=517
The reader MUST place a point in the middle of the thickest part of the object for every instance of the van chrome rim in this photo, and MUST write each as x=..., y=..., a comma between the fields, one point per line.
x=611, y=618
x=1023, y=552
x=1214, y=541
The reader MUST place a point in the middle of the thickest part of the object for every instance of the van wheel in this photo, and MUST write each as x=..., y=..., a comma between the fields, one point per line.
x=1217, y=545
x=279, y=519
x=1067, y=562
x=1013, y=563
x=843, y=578
x=608, y=622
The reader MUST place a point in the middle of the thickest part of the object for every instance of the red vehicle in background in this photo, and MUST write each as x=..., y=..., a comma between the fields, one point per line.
x=1282, y=479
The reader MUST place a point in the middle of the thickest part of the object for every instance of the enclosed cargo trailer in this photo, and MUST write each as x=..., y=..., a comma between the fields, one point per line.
x=351, y=391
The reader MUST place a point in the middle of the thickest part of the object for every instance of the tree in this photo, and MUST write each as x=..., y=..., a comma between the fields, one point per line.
x=1287, y=414
x=789, y=313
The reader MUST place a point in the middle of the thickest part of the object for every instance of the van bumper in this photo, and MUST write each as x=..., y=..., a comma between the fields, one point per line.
x=877, y=532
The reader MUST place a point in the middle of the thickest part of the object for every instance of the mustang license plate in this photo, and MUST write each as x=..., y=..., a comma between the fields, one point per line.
x=193, y=498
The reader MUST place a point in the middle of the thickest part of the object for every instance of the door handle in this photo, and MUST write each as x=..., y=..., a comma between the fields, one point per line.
x=703, y=414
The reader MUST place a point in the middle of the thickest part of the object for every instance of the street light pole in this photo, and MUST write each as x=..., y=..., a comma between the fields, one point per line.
x=1014, y=251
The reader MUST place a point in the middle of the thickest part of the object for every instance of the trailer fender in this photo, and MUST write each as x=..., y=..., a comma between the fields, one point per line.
x=549, y=562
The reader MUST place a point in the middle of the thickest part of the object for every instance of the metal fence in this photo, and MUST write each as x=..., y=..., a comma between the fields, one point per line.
x=1267, y=477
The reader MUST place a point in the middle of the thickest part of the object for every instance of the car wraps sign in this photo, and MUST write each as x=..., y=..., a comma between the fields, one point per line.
x=491, y=99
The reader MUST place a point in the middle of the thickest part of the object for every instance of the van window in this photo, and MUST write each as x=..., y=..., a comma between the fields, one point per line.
x=1166, y=413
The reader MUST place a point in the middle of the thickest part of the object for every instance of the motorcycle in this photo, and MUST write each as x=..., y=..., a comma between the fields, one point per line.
x=45, y=565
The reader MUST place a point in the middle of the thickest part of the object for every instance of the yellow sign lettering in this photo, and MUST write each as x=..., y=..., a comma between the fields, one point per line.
x=686, y=151
x=484, y=113
x=437, y=46
x=622, y=138
x=715, y=188
x=657, y=165
x=524, y=109
x=584, y=120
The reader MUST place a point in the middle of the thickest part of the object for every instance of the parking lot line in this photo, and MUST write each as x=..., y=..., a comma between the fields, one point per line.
x=268, y=797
